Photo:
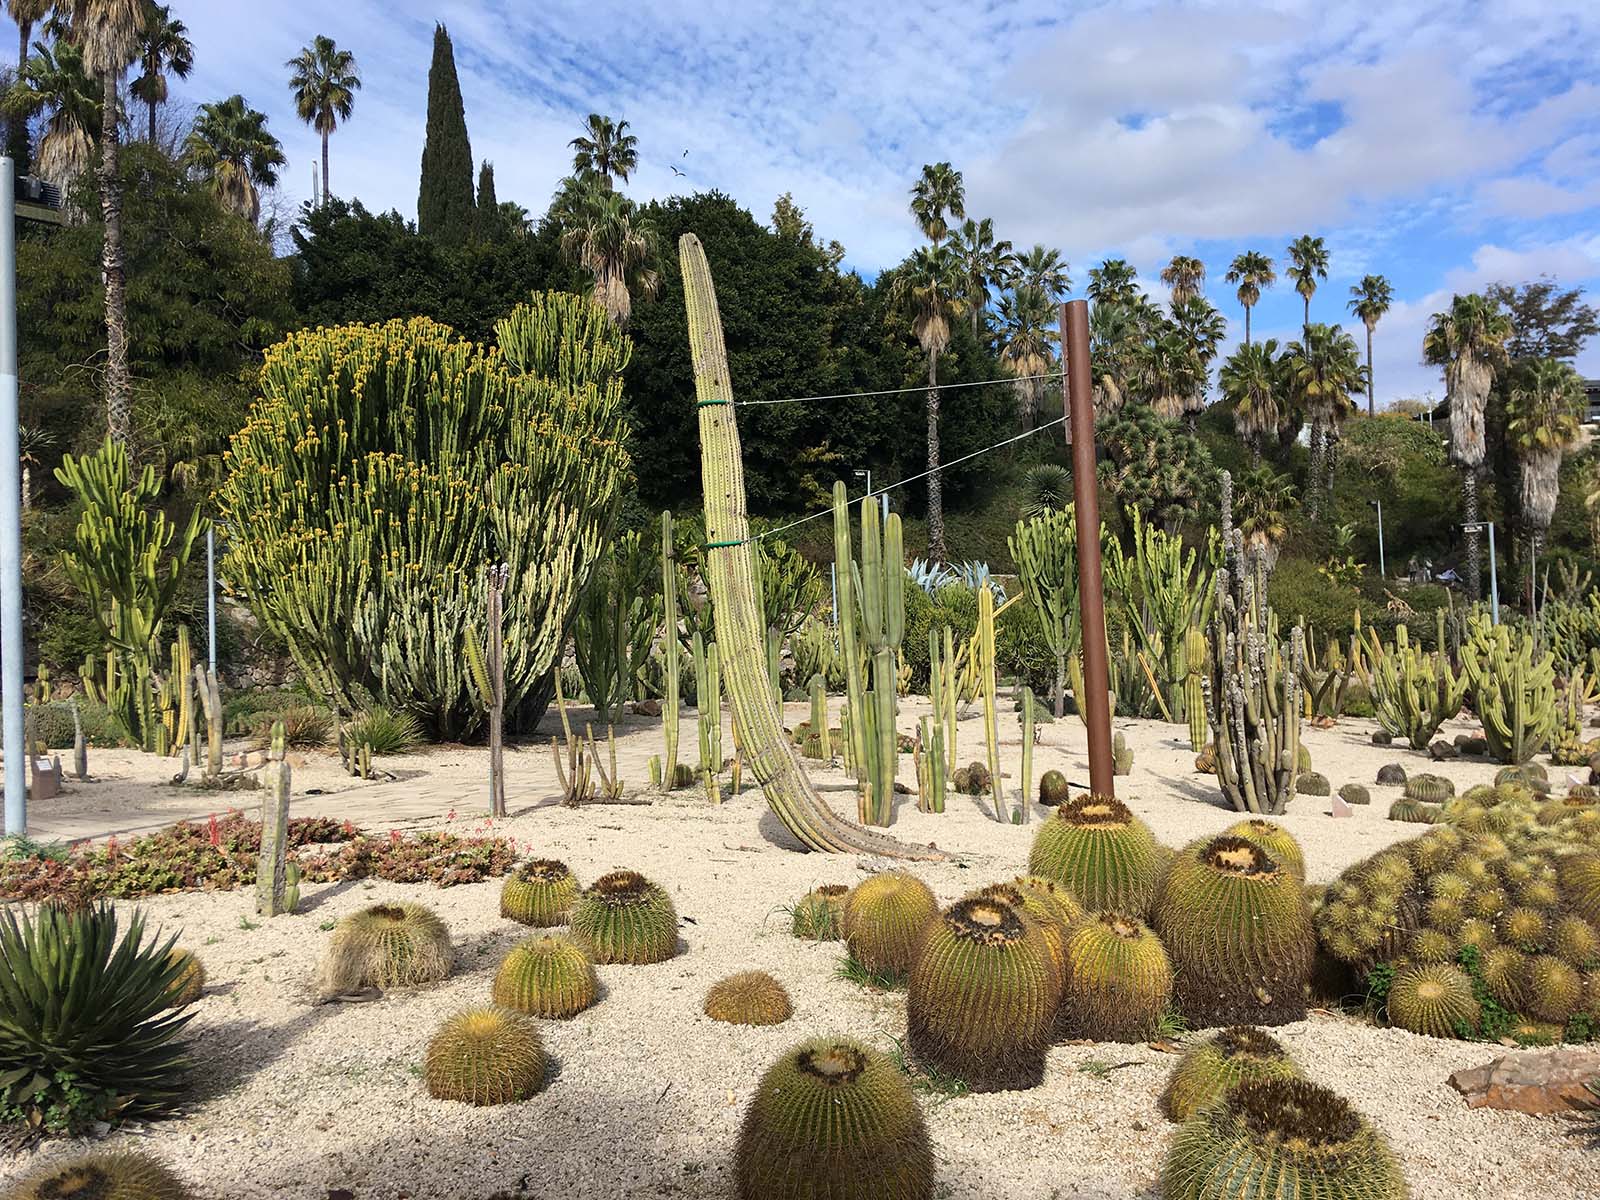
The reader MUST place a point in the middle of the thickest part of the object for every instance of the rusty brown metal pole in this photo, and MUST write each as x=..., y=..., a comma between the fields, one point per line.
x=1086, y=497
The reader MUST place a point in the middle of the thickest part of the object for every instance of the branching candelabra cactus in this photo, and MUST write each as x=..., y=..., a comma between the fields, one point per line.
x=1255, y=702
x=1045, y=550
x=1413, y=692
x=1513, y=690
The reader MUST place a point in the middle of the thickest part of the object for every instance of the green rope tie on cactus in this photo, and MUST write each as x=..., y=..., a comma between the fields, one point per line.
x=711, y=403
x=724, y=545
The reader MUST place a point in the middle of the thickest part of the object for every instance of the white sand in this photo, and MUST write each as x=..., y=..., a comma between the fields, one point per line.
x=647, y=1093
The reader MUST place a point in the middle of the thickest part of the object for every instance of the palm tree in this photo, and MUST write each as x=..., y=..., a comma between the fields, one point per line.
x=928, y=289
x=1040, y=268
x=1310, y=263
x=165, y=48
x=324, y=83
x=985, y=263
x=1262, y=503
x=1469, y=342
x=1542, y=424
x=938, y=193
x=230, y=146
x=1164, y=368
x=1028, y=335
x=26, y=13
x=54, y=80
x=1183, y=275
x=1369, y=300
x=109, y=32
x=1202, y=328
x=604, y=233
x=1112, y=282
x=604, y=151
x=1252, y=271
x=1251, y=381
x=1324, y=371
x=1115, y=335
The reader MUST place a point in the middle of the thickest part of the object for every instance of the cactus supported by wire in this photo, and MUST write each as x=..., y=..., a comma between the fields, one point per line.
x=1255, y=700
x=708, y=698
x=730, y=568
x=669, y=653
x=1413, y=693
x=1513, y=690
x=984, y=658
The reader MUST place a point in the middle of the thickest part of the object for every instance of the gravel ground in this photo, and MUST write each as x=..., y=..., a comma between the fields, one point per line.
x=646, y=1093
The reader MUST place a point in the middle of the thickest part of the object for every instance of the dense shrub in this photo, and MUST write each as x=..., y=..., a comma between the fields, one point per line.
x=385, y=730
x=241, y=710
x=52, y=723
x=86, y=1032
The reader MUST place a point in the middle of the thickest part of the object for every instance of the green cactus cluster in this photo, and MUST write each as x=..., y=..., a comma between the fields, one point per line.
x=101, y=1176
x=485, y=1056
x=1213, y=1066
x=1414, y=692
x=1284, y=1138
x=385, y=464
x=885, y=919
x=819, y=914
x=982, y=998
x=748, y=998
x=390, y=945
x=548, y=976
x=622, y=917
x=1238, y=928
x=1429, y=789
x=539, y=893
x=1434, y=998
x=1101, y=852
x=833, y=1118
x=1119, y=978
x=1513, y=689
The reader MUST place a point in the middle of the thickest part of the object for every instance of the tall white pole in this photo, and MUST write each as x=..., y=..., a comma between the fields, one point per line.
x=211, y=600
x=11, y=515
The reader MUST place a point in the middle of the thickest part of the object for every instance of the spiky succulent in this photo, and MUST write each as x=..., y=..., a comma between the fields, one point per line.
x=1505, y=974
x=1214, y=1065
x=101, y=1177
x=1053, y=789
x=1414, y=811
x=1429, y=789
x=1354, y=793
x=386, y=946
x=833, y=1119
x=1102, y=852
x=1525, y=928
x=1434, y=999
x=1312, y=783
x=1575, y=941
x=1431, y=946
x=1119, y=979
x=885, y=918
x=1283, y=1138
x=539, y=893
x=819, y=914
x=191, y=980
x=1554, y=989
x=547, y=976
x=981, y=1001
x=485, y=1056
x=1238, y=929
x=1275, y=840
x=1580, y=885
x=624, y=918
x=748, y=998
x=1391, y=774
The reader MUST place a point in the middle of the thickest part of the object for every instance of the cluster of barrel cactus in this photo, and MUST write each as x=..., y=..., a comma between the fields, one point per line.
x=1487, y=923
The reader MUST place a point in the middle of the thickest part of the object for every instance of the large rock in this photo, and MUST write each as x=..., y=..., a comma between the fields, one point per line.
x=1541, y=1081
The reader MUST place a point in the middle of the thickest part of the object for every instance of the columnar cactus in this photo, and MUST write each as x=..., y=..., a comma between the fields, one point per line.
x=669, y=653
x=708, y=703
x=1513, y=691
x=1194, y=695
x=1413, y=692
x=1045, y=549
x=880, y=580
x=741, y=629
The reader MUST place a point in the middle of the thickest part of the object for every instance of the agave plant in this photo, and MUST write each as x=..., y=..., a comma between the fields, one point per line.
x=86, y=1033
x=976, y=574
x=930, y=577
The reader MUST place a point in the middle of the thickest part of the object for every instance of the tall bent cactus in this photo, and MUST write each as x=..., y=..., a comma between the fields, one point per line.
x=730, y=570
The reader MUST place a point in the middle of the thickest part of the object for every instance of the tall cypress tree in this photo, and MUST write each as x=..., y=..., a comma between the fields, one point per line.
x=487, y=227
x=444, y=201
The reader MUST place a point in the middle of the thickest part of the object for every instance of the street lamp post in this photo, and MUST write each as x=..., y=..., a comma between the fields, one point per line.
x=1382, y=570
x=14, y=738
x=1494, y=574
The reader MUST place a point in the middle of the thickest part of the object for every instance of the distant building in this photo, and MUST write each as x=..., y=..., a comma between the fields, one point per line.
x=1439, y=417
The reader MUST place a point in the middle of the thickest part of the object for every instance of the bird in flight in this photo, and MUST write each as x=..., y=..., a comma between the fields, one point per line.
x=675, y=170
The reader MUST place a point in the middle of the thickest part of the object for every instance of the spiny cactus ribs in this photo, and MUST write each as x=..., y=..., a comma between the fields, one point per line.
x=101, y=1177
x=748, y=998
x=191, y=980
x=1053, y=789
x=1434, y=999
x=485, y=1056
x=834, y=1118
x=1283, y=1138
x=1238, y=928
x=546, y=977
x=1119, y=979
x=387, y=946
x=1211, y=1068
x=540, y=893
x=885, y=919
x=982, y=1000
x=1101, y=851
x=819, y=915
x=1275, y=840
x=624, y=918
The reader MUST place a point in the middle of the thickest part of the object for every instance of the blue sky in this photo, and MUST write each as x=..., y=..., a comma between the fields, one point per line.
x=1445, y=145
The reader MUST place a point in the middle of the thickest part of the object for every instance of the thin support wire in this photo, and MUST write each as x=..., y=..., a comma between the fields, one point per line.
x=926, y=387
